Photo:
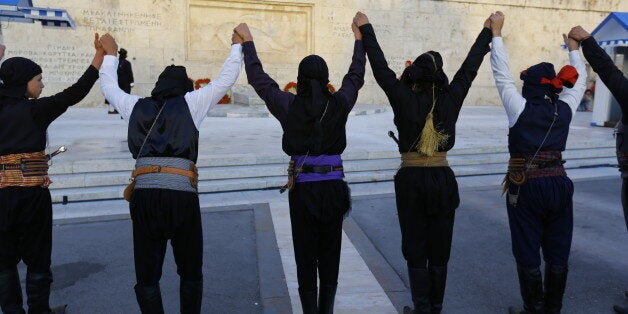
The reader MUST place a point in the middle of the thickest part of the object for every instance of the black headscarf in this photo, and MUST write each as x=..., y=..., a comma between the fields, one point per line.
x=15, y=74
x=426, y=70
x=312, y=89
x=172, y=82
x=122, y=53
x=540, y=81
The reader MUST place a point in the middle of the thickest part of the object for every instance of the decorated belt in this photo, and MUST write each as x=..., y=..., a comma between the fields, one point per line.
x=415, y=159
x=303, y=168
x=521, y=167
x=25, y=169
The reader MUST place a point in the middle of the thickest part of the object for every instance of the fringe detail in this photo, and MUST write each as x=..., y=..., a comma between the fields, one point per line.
x=431, y=138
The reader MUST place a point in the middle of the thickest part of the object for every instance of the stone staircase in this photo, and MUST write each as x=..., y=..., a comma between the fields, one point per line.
x=106, y=179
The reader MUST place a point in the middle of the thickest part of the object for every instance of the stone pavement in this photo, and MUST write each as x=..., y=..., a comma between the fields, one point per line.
x=89, y=133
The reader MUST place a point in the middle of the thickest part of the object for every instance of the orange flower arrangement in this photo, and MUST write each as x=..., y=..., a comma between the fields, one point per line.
x=292, y=88
x=200, y=83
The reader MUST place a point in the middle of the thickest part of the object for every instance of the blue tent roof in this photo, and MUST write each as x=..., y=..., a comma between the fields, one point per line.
x=23, y=11
x=613, y=30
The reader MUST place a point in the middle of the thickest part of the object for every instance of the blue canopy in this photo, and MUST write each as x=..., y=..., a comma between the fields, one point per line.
x=613, y=30
x=24, y=11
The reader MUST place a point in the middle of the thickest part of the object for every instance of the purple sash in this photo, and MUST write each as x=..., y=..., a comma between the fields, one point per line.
x=322, y=160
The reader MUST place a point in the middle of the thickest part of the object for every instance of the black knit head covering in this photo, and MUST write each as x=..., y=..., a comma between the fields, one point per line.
x=172, y=82
x=425, y=70
x=15, y=74
x=122, y=53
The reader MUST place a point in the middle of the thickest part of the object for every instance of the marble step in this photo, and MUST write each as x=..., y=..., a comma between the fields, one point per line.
x=107, y=178
x=274, y=182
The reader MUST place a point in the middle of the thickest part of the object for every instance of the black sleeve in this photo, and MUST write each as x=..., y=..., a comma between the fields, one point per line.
x=461, y=83
x=131, y=79
x=385, y=77
x=47, y=109
x=604, y=66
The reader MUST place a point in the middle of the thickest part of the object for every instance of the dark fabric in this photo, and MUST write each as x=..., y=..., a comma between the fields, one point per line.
x=425, y=70
x=25, y=228
x=125, y=75
x=534, y=122
x=308, y=301
x=149, y=299
x=624, y=199
x=38, y=292
x=317, y=210
x=26, y=235
x=172, y=82
x=612, y=76
x=10, y=292
x=298, y=116
x=426, y=202
x=533, y=89
x=555, y=284
x=438, y=281
x=411, y=108
x=15, y=74
x=24, y=122
x=621, y=147
x=542, y=219
x=191, y=296
x=160, y=215
x=326, y=298
x=420, y=289
x=531, y=287
x=174, y=133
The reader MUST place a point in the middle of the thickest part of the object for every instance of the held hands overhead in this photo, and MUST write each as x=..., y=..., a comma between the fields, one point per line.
x=578, y=34
x=496, y=23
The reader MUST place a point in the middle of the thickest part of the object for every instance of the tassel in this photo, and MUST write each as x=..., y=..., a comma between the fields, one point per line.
x=431, y=138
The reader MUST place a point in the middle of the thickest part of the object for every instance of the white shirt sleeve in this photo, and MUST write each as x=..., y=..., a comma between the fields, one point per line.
x=202, y=100
x=573, y=96
x=513, y=102
x=120, y=100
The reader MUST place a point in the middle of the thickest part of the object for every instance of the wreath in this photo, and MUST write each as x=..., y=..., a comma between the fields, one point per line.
x=200, y=83
x=292, y=88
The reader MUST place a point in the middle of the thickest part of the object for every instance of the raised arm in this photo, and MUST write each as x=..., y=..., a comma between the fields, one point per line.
x=202, y=100
x=118, y=98
x=354, y=80
x=603, y=65
x=513, y=102
x=573, y=96
x=461, y=83
x=47, y=109
x=385, y=77
x=277, y=101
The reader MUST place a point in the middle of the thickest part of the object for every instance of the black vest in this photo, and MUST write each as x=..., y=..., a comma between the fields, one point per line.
x=622, y=149
x=530, y=129
x=174, y=133
x=303, y=133
x=19, y=133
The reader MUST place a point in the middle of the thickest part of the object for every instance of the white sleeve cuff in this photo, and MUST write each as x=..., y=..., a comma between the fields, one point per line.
x=498, y=41
x=110, y=60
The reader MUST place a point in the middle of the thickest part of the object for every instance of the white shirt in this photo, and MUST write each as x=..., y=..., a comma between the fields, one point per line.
x=199, y=101
x=513, y=102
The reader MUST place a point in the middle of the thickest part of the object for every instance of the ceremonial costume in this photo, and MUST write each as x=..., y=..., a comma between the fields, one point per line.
x=26, y=206
x=617, y=83
x=313, y=123
x=163, y=138
x=539, y=201
x=426, y=108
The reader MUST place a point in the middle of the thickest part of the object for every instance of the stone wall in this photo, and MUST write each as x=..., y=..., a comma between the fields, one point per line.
x=196, y=33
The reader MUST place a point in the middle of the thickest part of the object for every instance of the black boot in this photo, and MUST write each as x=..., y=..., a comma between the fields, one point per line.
x=438, y=279
x=10, y=292
x=620, y=309
x=420, y=289
x=59, y=309
x=326, y=297
x=38, y=292
x=308, y=301
x=531, y=285
x=191, y=296
x=555, y=283
x=149, y=299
